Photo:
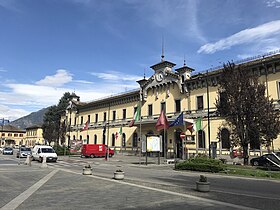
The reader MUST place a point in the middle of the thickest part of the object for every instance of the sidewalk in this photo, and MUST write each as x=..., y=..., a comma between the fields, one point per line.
x=121, y=158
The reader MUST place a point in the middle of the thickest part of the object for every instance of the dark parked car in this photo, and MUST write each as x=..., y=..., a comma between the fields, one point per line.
x=263, y=160
x=23, y=152
x=8, y=151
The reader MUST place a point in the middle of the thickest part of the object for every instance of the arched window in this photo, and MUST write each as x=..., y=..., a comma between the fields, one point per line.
x=74, y=137
x=201, y=139
x=123, y=140
x=225, y=138
x=135, y=140
x=69, y=141
x=81, y=138
x=113, y=139
x=95, y=139
x=103, y=139
x=87, y=139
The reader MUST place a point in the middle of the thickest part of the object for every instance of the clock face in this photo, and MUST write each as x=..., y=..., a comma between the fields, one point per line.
x=159, y=77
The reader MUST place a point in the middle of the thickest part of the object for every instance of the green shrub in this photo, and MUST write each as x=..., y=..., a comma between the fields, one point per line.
x=201, y=164
x=61, y=150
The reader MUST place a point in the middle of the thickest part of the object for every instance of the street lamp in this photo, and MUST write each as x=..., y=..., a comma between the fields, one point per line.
x=266, y=76
x=208, y=113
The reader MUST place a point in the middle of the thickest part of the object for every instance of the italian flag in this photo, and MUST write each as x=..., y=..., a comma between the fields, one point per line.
x=136, y=116
x=119, y=133
x=85, y=127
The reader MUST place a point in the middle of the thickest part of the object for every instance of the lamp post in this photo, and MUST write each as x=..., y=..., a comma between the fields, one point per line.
x=208, y=113
x=266, y=81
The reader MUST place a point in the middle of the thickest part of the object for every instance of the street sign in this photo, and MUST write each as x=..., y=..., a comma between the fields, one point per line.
x=182, y=135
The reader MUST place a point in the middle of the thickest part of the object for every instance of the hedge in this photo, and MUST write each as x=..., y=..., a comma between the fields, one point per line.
x=201, y=164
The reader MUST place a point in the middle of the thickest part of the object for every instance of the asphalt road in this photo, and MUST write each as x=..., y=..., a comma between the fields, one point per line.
x=62, y=186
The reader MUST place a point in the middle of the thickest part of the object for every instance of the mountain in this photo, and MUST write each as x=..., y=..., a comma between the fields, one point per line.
x=35, y=118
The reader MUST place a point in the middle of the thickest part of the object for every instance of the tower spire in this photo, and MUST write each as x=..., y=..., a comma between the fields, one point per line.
x=162, y=50
x=184, y=59
x=144, y=73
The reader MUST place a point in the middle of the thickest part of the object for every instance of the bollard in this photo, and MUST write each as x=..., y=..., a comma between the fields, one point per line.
x=28, y=160
x=44, y=162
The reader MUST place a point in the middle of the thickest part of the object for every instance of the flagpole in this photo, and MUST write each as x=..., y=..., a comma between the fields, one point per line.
x=140, y=148
x=107, y=158
x=183, y=148
x=87, y=137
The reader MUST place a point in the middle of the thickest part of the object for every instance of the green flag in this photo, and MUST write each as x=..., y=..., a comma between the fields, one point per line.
x=198, y=124
x=120, y=131
x=136, y=116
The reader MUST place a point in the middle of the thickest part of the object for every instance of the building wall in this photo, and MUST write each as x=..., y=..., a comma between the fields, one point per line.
x=155, y=92
x=10, y=136
x=34, y=135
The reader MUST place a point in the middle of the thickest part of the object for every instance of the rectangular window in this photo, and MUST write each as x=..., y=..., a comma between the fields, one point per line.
x=150, y=110
x=104, y=116
x=96, y=118
x=9, y=134
x=199, y=100
x=3, y=134
x=178, y=105
x=124, y=114
x=163, y=107
x=82, y=120
x=20, y=135
x=278, y=88
x=75, y=121
x=114, y=115
x=15, y=135
x=88, y=118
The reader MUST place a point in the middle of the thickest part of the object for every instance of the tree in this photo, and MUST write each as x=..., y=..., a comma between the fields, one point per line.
x=53, y=128
x=246, y=109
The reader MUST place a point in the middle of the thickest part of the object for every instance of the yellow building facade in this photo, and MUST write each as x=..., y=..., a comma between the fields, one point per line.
x=11, y=136
x=174, y=91
x=34, y=135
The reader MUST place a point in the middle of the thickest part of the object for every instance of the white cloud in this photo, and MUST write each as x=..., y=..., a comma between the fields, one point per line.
x=10, y=113
x=258, y=34
x=83, y=81
x=2, y=70
x=59, y=79
x=116, y=76
x=27, y=98
x=10, y=5
x=273, y=3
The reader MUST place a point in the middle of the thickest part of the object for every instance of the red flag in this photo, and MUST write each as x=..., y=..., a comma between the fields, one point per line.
x=162, y=122
x=189, y=127
x=85, y=126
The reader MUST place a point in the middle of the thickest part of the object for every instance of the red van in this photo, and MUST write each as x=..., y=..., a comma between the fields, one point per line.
x=95, y=150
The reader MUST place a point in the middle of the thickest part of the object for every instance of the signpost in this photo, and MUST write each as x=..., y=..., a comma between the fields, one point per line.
x=183, y=137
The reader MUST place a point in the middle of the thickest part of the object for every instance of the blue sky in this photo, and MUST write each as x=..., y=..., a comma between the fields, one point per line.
x=101, y=47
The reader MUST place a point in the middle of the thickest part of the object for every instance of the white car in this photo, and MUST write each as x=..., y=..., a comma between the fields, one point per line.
x=41, y=151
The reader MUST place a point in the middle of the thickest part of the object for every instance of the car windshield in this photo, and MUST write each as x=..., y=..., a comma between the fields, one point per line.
x=25, y=149
x=8, y=148
x=47, y=150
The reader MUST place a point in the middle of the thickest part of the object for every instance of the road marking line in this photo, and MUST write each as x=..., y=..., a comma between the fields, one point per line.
x=168, y=192
x=13, y=204
x=254, y=196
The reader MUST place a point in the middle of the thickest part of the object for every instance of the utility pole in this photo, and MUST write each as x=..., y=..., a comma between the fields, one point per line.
x=208, y=114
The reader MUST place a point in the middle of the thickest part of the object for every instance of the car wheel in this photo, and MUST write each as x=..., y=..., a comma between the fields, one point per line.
x=92, y=155
x=40, y=159
x=255, y=163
